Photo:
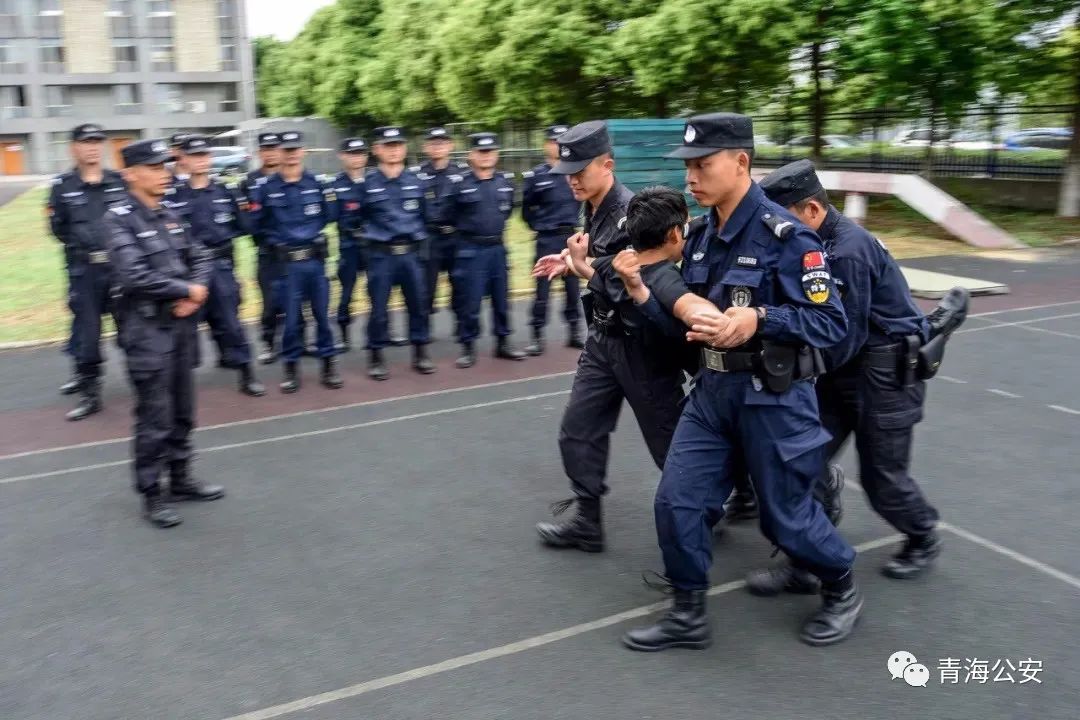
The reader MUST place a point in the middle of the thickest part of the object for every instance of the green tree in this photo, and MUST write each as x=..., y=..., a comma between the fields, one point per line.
x=264, y=49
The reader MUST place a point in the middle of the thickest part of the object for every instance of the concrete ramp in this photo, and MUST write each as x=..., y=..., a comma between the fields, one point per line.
x=934, y=285
x=929, y=200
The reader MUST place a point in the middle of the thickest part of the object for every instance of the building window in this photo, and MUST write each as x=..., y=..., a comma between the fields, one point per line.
x=57, y=100
x=230, y=103
x=9, y=62
x=168, y=98
x=13, y=102
x=228, y=57
x=161, y=58
x=50, y=15
x=126, y=99
x=121, y=16
x=9, y=19
x=227, y=18
x=52, y=58
x=59, y=152
x=125, y=58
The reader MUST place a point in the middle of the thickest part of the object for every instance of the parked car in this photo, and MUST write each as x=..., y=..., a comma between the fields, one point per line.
x=1039, y=138
x=229, y=160
x=827, y=141
x=973, y=140
x=919, y=137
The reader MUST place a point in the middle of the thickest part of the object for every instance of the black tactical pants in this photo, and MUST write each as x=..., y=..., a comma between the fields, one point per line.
x=611, y=368
x=870, y=402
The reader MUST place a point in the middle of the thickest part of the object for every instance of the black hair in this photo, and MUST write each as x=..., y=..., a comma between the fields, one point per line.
x=652, y=213
x=822, y=197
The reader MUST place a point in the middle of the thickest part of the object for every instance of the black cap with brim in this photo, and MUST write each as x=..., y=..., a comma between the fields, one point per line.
x=291, y=140
x=86, y=132
x=146, y=152
x=706, y=135
x=580, y=145
x=388, y=134
x=792, y=183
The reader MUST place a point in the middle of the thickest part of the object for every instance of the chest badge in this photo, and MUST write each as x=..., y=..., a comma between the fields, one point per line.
x=313, y=209
x=504, y=207
x=222, y=218
x=741, y=296
x=698, y=256
x=411, y=205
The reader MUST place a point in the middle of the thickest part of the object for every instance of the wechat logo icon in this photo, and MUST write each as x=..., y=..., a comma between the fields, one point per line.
x=903, y=665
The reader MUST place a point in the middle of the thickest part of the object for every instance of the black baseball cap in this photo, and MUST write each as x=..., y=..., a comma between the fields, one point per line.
x=291, y=139
x=177, y=138
x=389, y=134
x=195, y=145
x=554, y=132
x=353, y=145
x=437, y=133
x=484, y=141
x=269, y=140
x=579, y=145
x=706, y=135
x=146, y=152
x=791, y=183
x=87, y=131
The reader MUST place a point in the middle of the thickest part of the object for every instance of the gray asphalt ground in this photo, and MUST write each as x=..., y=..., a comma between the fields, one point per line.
x=378, y=560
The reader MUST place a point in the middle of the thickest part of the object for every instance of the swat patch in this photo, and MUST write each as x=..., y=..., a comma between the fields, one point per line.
x=741, y=296
x=745, y=261
x=816, y=278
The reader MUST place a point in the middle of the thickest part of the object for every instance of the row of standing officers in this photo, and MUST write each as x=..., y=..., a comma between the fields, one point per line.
x=402, y=227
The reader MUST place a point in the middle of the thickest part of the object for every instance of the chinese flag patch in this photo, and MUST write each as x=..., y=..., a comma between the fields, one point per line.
x=813, y=260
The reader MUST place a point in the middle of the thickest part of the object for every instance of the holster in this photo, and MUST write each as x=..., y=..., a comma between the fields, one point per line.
x=930, y=356
x=909, y=360
x=777, y=366
x=587, y=302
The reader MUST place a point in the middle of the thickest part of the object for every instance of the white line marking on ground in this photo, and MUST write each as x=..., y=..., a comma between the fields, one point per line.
x=1002, y=393
x=946, y=378
x=1048, y=331
x=513, y=648
x=1017, y=323
x=1018, y=557
x=1021, y=309
x=294, y=436
x=1062, y=408
x=301, y=413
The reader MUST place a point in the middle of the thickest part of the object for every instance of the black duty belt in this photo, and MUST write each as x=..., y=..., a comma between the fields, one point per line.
x=727, y=361
x=442, y=229
x=482, y=239
x=885, y=357
x=97, y=257
x=300, y=254
x=393, y=247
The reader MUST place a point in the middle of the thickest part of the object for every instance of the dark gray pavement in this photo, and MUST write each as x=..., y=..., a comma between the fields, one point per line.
x=377, y=560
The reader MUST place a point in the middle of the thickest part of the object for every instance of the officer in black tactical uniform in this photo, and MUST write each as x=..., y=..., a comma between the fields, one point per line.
x=617, y=362
x=162, y=276
x=874, y=387
x=77, y=202
x=549, y=209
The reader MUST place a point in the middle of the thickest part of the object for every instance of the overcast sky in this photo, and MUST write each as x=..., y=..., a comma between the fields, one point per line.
x=280, y=18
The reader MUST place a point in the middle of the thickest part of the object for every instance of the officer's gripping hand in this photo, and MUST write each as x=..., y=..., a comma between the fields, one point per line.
x=197, y=293
x=706, y=326
x=743, y=325
x=550, y=266
x=185, y=308
x=628, y=265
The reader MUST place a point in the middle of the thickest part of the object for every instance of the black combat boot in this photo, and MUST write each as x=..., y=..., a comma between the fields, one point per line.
x=376, y=368
x=505, y=351
x=158, y=513
x=841, y=605
x=330, y=377
x=468, y=356
x=291, y=383
x=90, y=402
x=832, y=494
x=784, y=577
x=267, y=356
x=248, y=384
x=742, y=505
x=344, y=346
x=184, y=487
x=421, y=362
x=584, y=530
x=72, y=386
x=917, y=555
x=685, y=625
x=536, y=347
x=574, y=338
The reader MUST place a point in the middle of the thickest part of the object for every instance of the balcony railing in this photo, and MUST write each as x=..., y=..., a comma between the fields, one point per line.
x=128, y=108
x=59, y=110
x=12, y=68
x=14, y=112
x=125, y=66
x=54, y=67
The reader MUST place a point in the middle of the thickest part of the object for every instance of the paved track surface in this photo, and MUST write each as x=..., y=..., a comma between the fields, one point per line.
x=375, y=557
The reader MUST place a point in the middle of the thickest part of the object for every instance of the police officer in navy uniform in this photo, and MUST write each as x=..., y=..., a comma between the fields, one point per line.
x=291, y=210
x=215, y=219
x=348, y=189
x=175, y=163
x=753, y=407
x=621, y=360
x=478, y=206
x=867, y=390
x=266, y=263
x=162, y=274
x=550, y=210
x=434, y=174
x=391, y=217
x=77, y=203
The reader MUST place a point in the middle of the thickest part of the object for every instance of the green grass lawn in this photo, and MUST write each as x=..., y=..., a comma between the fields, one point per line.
x=33, y=284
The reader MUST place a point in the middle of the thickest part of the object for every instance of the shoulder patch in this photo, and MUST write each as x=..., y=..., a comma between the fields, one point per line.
x=414, y=169
x=120, y=209
x=456, y=178
x=528, y=174
x=780, y=227
x=508, y=175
